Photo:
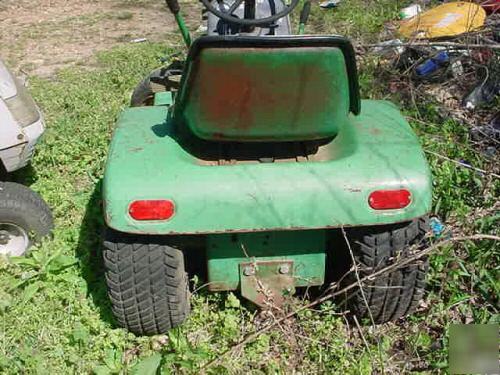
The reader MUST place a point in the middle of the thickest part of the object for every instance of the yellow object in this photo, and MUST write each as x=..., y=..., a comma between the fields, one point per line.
x=445, y=20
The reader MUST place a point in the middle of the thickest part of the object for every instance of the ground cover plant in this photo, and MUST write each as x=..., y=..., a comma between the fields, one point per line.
x=54, y=313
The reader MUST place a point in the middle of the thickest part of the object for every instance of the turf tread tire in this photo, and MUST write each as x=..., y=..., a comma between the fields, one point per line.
x=395, y=294
x=147, y=283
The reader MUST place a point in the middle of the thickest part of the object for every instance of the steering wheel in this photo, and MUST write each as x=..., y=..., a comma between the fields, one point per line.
x=232, y=19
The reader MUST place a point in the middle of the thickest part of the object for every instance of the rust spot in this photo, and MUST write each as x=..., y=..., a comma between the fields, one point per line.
x=268, y=283
x=354, y=190
x=217, y=286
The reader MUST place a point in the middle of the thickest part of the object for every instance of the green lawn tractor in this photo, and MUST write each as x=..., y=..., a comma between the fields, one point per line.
x=256, y=157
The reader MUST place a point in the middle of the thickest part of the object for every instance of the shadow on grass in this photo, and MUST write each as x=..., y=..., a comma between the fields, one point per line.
x=89, y=252
x=25, y=176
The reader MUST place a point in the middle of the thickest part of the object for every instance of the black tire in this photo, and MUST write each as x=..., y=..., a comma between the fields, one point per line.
x=159, y=80
x=144, y=92
x=24, y=208
x=147, y=283
x=395, y=294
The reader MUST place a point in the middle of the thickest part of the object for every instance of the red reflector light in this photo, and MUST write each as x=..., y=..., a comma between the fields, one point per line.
x=151, y=210
x=389, y=199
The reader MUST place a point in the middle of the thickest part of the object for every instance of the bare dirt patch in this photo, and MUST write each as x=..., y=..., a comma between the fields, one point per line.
x=40, y=37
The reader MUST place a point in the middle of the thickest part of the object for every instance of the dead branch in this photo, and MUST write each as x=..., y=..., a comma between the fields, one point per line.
x=463, y=164
x=363, y=338
x=403, y=262
x=356, y=272
x=365, y=301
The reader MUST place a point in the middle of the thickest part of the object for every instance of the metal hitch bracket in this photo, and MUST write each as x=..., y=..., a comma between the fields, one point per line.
x=266, y=283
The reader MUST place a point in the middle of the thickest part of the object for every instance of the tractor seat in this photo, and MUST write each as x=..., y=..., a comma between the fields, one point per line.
x=267, y=89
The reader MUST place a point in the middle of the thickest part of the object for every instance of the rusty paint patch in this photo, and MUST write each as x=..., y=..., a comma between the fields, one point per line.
x=249, y=93
x=238, y=90
x=219, y=286
x=266, y=283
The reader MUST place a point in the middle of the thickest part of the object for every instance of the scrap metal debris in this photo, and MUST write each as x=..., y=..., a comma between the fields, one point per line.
x=458, y=68
x=329, y=4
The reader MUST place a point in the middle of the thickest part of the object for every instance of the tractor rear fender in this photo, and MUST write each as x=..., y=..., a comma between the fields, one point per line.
x=377, y=150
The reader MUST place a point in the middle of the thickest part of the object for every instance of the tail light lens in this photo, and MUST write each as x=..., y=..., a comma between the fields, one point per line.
x=389, y=199
x=152, y=209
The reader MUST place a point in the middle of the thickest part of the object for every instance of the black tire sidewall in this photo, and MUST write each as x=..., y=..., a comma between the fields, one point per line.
x=23, y=207
x=143, y=94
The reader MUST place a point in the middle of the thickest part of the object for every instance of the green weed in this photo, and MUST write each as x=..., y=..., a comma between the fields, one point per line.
x=55, y=315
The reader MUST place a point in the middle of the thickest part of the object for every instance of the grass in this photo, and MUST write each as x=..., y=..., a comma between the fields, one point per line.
x=55, y=316
x=355, y=19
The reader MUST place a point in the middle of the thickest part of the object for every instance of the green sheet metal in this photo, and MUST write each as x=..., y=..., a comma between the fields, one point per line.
x=225, y=253
x=375, y=150
x=266, y=94
x=163, y=98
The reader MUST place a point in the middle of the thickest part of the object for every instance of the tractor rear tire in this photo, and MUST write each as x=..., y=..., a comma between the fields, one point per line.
x=394, y=294
x=147, y=284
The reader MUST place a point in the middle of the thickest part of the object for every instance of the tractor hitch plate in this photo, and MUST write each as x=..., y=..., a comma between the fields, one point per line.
x=266, y=283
